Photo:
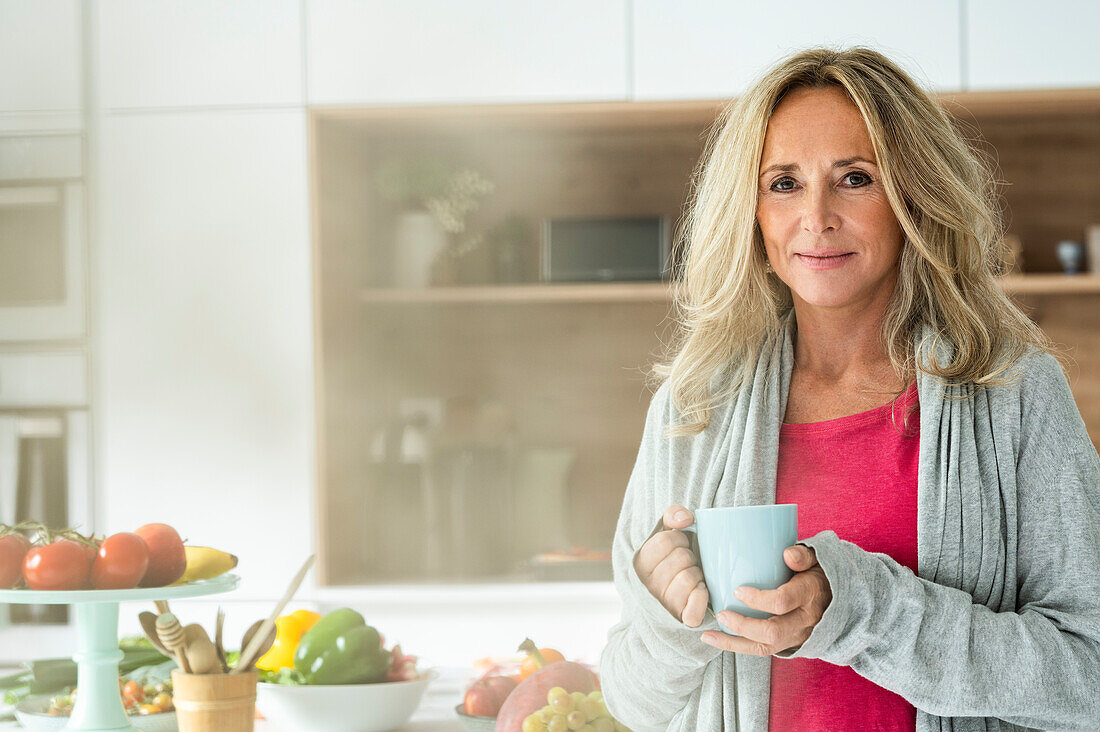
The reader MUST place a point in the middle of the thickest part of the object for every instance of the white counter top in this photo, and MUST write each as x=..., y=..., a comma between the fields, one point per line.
x=436, y=712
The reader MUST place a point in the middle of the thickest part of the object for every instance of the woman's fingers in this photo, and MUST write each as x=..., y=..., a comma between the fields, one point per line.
x=772, y=634
x=695, y=611
x=807, y=589
x=677, y=517
x=656, y=549
x=779, y=601
x=674, y=578
x=679, y=589
x=800, y=557
x=670, y=570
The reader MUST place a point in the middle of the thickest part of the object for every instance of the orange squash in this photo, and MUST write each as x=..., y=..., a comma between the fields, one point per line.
x=531, y=664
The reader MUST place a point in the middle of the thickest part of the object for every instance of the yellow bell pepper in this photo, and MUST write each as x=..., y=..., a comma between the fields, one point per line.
x=289, y=630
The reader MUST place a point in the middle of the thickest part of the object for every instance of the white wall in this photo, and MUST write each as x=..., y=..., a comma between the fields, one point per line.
x=204, y=370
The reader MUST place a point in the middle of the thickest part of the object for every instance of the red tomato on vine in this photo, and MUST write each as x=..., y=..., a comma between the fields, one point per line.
x=120, y=563
x=13, y=548
x=60, y=565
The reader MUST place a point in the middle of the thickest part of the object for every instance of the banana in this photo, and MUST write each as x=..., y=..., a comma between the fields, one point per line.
x=206, y=563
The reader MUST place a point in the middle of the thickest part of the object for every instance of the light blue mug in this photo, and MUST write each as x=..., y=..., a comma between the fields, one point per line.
x=743, y=545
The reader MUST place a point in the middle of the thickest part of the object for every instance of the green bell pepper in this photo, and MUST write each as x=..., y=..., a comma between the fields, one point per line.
x=341, y=648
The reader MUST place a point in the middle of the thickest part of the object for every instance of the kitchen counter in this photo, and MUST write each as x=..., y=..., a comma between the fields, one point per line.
x=262, y=726
x=419, y=723
x=436, y=712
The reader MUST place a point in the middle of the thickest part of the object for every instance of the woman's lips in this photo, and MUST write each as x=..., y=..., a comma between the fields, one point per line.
x=832, y=262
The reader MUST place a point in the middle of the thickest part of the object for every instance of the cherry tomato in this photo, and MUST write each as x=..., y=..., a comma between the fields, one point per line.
x=133, y=692
x=13, y=548
x=167, y=558
x=121, y=562
x=62, y=565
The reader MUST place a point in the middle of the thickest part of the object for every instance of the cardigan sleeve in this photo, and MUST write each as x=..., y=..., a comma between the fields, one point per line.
x=652, y=663
x=1037, y=666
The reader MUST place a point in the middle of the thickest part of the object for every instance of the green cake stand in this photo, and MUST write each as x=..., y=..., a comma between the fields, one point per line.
x=98, y=703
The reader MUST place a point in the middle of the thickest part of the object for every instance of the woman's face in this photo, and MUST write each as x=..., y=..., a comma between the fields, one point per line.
x=829, y=231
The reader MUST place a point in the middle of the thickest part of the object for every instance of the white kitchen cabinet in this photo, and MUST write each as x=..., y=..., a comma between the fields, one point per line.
x=203, y=389
x=1013, y=44
x=377, y=51
x=40, y=64
x=709, y=49
x=196, y=53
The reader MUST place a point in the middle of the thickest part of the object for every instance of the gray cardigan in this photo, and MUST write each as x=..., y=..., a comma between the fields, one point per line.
x=998, y=629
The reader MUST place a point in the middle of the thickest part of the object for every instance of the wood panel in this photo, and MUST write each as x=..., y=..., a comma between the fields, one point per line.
x=568, y=371
x=1052, y=169
x=1073, y=323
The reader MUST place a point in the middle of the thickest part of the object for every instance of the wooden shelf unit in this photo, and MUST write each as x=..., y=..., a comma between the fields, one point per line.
x=1052, y=284
x=566, y=371
x=1024, y=284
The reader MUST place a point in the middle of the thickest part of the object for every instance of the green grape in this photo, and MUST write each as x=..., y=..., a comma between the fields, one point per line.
x=533, y=724
x=554, y=693
x=562, y=703
x=587, y=728
x=576, y=720
x=557, y=723
x=604, y=724
x=578, y=697
x=590, y=708
x=596, y=695
x=545, y=714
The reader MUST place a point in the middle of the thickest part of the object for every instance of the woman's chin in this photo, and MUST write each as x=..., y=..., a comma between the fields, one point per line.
x=825, y=298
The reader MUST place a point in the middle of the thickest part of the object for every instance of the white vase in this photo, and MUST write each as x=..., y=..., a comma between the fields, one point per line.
x=418, y=239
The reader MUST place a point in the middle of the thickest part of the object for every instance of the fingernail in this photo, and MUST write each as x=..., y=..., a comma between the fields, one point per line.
x=682, y=516
x=740, y=593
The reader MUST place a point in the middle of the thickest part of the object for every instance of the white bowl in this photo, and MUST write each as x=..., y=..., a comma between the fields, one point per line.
x=341, y=708
x=32, y=715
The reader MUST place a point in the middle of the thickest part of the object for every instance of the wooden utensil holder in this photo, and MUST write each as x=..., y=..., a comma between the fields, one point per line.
x=215, y=702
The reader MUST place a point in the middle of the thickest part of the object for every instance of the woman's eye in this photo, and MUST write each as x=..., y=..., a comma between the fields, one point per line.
x=861, y=180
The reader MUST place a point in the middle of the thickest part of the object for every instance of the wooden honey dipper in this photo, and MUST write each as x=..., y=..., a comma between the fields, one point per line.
x=171, y=634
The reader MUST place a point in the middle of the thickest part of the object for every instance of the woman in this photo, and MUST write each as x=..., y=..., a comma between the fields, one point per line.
x=846, y=347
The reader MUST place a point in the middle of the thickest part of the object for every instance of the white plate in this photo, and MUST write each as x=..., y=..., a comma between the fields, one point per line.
x=32, y=715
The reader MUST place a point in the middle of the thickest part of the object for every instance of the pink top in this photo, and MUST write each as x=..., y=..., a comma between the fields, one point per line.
x=856, y=475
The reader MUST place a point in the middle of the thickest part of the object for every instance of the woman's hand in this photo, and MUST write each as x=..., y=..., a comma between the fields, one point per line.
x=797, y=606
x=670, y=571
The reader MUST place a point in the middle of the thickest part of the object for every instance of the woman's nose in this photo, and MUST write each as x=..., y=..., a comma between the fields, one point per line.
x=819, y=210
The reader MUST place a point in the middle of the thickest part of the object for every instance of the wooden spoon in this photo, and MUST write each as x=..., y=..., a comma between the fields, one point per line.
x=218, y=626
x=250, y=633
x=201, y=652
x=264, y=647
x=149, y=625
x=249, y=653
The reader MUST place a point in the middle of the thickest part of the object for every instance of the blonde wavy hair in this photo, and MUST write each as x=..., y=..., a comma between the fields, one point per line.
x=942, y=191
